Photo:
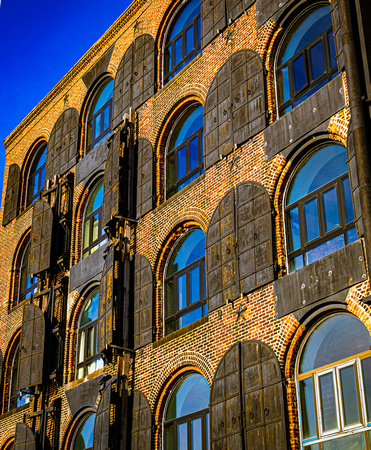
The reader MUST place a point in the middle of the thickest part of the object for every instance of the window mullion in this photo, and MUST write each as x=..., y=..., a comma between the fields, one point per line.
x=321, y=214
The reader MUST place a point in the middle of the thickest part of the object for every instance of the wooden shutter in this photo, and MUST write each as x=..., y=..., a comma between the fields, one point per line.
x=143, y=83
x=31, y=356
x=213, y=19
x=41, y=237
x=236, y=7
x=143, y=298
x=135, y=78
x=221, y=261
x=235, y=105
x=24, y=437
x=63, y=144
x=102, y=420
x=246, y=400
x=106, y=301
x=254, y=231
x=338, y=34
x=11, y=203
x=111, y=189
x=144, y=177
x=142, y=422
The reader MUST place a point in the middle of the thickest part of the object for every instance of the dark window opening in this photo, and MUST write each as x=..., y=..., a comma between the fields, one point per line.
x=27, y=283
x=36, y=177
x=15, y=397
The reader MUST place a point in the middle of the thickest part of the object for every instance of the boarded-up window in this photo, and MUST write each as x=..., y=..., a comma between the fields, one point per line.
x=235, y=105
x=143, y=298
x=239, y=246
x=144, y=177
x=135, y=78
x=106, y=302
x=63, y=144
x=102, y=420
x=246, y=400
x=24, y=437
x=31, y=358
x=141, y=422
x=213, y=20
x=41, y=237
x=11, y=203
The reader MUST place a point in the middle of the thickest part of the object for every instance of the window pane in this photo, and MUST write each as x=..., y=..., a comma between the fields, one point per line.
x=351, y=235
x=349, y=395
x=296, y=263
x=106, y=118
x=189, y=39
x=193, y=153
x=188, y=181
x=331, y=46
x=80, y=356
x=316, y=59
x=90, y=347
x=169, y=298
x=293, y=229
x=298, y=70
x=330, y=206
x=86, y=234
x=190, y=317
x=311, y=219
x=182, y=291
x=283, y=85
x=178, y=50
x=169, y=438
x=182, y=436
x=195, y=284
x=188, y=250
x=97, y=126
x=366, y=372
x=85, y=434
x=35, y=184
x=95, y=227
x=196, y=430
x=328, y=405
x=324, y=249
x=348, y=201
x=182, y=162
x=353, y=442
x=308, y=414
x=90, y=311
x=312, y=447
x=189, y=12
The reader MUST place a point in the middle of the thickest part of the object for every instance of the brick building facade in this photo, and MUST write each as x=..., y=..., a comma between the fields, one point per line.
x=186, y=228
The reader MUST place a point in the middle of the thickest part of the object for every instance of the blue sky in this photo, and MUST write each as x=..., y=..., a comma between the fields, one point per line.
x=40, y=41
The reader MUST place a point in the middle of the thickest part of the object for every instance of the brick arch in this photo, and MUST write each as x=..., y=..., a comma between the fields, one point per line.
x=8, y=439
x=356, y=306
x=73, y=424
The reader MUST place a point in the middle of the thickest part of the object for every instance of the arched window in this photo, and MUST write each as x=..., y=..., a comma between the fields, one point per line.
x=183, y=39
x=307, y=58
x=100, y=113
x=15, y=399
x=186, y=419
x=319, y=210
x=87, y=359
x=334, y=384
x=185, y=150
x=84, y=435
x=93, y=234
x=27, y=283
x=185, y=280
x=36, y=175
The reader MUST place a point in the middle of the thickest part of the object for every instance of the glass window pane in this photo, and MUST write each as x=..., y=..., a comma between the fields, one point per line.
x=316, y=59
x=167, y=59
x=349, y=395
x=97, y=126
x=188, y=250
x=352, y=442
x=366, y=373
x=196, y=433
x=182, y=162
x=189, y=123
x=35, y=184
x=307, y=409
x=169, y=298
x=86, y=233
x=189, y=12
x=298, y=70
x=182, y=436
x=351, y=235
x=193, y=153
x=169, y=438
x=106, y=118
x=90, y=344
x=104, y=94
x=330, y=206
x=182, y=291
x=85, y=434
x=178, y=50
x=90, y=311
x=195, y=284
x=293, y=229
x=324, y=249
x=311, y=220
x=95, y=227
x=80, y=356
x=190, y=317
x=296, y=263
x=348, y=201
x=332, y=50
x=189, y=39
x=188, y=181
x=283, y=85
x=328, y=404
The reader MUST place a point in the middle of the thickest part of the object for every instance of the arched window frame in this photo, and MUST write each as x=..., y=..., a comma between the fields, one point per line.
x=347, y=225
x=93, y=244
x=364, y=406
x=190, y=174
x=36, y=174
x=22, y=294
x=82, y=364
x=79, y=423
x=15, y=400
x=311, y=85
x=203, y=414
x=178, y=314
x=96, y=120
x=187, y=56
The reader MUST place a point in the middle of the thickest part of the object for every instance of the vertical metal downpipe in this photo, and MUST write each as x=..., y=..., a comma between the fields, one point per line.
x=357, y=111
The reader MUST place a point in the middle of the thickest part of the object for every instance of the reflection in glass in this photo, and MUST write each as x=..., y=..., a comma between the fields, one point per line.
x=328, y=405
x=308, y=415
x=366, y=373
x=311, y=219
x=330, y=207
x=85, y=434
x=349, y=395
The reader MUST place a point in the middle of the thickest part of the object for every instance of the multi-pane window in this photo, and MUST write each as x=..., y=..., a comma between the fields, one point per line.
x=307, y=58
x=15, y=397
x=334, y=384
x=100, y=113
x=185, y=150
x=185, y=280
x=186, y=423
x=84, y=436
x=93, y=234
x=27, y=283
x=87, y=359
x=36, y=176
x=319, y=210
x=183, y=40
